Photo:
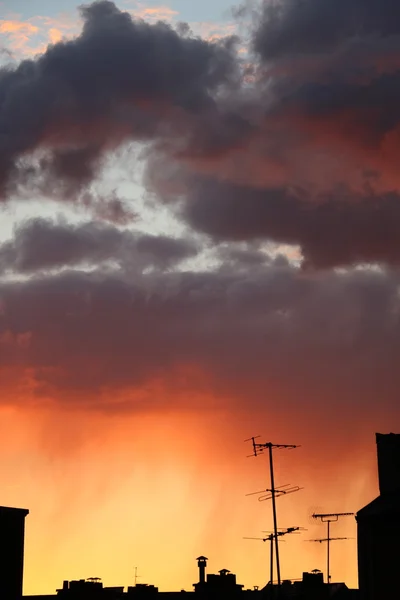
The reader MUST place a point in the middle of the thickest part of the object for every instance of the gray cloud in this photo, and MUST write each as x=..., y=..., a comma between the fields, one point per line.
x=308, y=158
x=332, y=230
x=41, y=244
x=293, y=27
x=334, y=68
x=247, y=335
x=250, y=155
x=322, y=173
x=120, y=79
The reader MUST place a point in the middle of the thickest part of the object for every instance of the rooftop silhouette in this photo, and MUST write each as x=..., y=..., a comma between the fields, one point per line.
x=378, y=526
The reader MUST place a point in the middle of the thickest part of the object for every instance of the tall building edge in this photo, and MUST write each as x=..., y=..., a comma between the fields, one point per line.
x=12, y=542
x=378, y=527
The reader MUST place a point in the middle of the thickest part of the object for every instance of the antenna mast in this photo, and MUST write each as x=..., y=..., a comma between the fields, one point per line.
x=329, y=518
x=271, y=538
x=259, y=449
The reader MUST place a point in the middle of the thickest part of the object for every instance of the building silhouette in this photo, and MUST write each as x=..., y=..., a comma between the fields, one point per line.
x=378, y=533
x=220, y=586
x=12, y=538
x=215, y=585
x=378, y=527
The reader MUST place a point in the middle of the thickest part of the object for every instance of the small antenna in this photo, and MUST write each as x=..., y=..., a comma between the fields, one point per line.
x=136, y=576
x=329, y=518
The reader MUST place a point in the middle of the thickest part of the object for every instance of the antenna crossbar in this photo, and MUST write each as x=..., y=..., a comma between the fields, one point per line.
x=332, y=517
x=258, y=448
x=331, y=539
x=279, y=492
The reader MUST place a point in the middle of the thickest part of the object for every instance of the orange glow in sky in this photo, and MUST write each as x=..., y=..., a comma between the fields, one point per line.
x=108, y=493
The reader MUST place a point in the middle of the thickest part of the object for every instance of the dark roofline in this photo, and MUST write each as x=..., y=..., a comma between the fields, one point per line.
x=387, y=504
x=10, y=510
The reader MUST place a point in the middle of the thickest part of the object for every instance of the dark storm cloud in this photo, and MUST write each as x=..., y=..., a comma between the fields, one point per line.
x=40, y=244
x=120, y=79
x=248, y=333
x=332, y=231
x=293, y=27
x=337, y=60
x=323, y=173
x=309, y=159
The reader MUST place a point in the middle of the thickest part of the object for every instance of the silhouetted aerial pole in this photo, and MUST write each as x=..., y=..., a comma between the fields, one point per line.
x=136, y=576
x=279, y=491
x=259, y=449
x=329, y=518
x=271, y=538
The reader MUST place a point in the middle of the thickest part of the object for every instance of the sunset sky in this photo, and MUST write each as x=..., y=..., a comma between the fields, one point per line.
x=199, y=242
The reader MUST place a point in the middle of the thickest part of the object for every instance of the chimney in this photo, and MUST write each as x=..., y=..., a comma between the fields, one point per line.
x=202, y=563
x=388, y=446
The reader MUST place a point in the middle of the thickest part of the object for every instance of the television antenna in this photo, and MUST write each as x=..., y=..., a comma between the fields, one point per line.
x=260, y=448
x=271, y=538
x=329, y=518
